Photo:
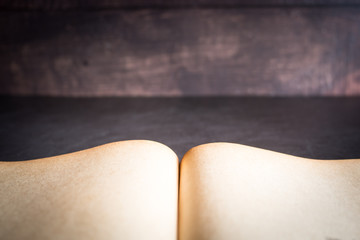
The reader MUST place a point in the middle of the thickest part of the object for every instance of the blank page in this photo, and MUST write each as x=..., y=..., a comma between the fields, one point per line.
x=123, y=190
x=230, y=191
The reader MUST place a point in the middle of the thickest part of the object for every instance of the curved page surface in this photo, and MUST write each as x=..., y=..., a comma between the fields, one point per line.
x=123, y=190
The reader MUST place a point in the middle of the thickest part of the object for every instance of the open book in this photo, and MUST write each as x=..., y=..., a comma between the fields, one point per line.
x=134, y=190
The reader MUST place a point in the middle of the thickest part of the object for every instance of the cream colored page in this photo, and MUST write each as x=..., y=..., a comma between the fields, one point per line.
x=124, y=190
x=230, y=191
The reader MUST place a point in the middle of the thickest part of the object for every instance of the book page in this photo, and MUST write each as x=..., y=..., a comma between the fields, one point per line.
x=123, y=190
x=230, y=191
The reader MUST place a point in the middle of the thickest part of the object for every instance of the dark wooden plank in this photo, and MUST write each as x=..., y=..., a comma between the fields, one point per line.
x=111, y=4
x=301, y=51
x=325, y=128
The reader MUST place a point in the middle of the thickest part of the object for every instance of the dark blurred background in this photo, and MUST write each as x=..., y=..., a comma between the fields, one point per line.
x=180, y=47
x=282, y=75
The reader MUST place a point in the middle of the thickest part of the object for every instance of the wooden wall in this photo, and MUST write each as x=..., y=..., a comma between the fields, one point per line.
x=176, y=48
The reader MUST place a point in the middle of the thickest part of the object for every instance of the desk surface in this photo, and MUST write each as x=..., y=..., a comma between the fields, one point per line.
x=36, y=127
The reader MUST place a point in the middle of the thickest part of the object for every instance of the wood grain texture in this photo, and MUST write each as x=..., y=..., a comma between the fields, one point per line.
x=111, y=4
x=318, y=127
x=262, y=51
